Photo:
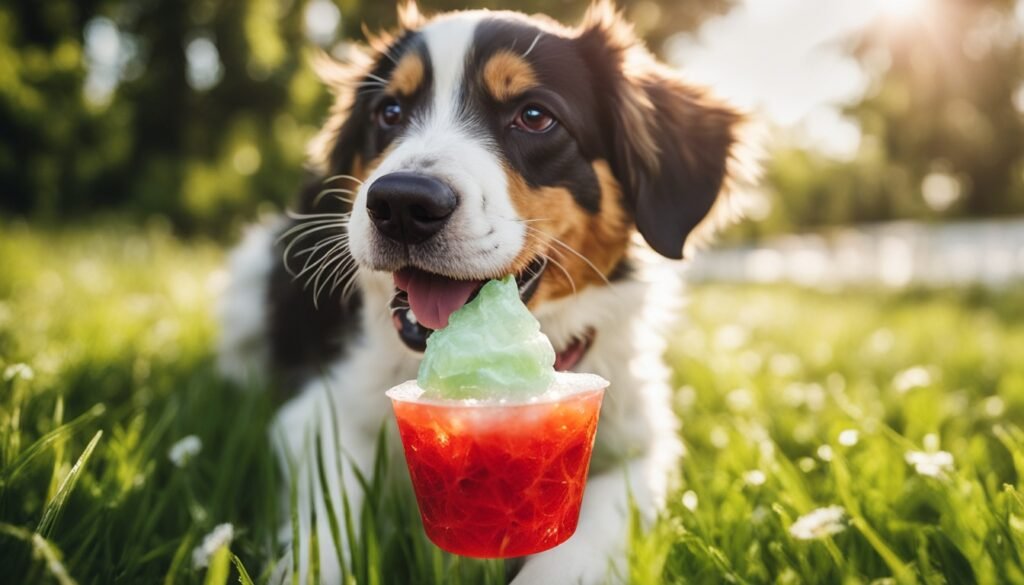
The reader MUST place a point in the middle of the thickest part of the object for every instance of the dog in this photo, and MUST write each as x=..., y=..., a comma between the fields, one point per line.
x=469, y=146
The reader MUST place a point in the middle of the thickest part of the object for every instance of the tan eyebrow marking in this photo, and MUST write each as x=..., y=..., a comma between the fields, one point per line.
x=407, y=76
x=507, y=75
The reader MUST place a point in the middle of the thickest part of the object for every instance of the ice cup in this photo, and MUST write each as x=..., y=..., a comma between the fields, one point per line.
x=500, y=479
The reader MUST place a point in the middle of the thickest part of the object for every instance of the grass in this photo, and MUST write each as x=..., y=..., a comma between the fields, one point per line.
x=792, y=401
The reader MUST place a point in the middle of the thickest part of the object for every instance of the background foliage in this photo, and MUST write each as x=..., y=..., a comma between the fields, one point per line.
x=199, y=110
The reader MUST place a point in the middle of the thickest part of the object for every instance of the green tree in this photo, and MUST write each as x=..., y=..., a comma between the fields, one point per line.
x=150, y=138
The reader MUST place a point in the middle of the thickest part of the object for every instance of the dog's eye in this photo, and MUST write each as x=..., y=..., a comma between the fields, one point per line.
x=389, y=113
x=534, y=118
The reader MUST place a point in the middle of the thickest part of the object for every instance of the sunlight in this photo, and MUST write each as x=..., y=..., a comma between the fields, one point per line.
x=901, y=8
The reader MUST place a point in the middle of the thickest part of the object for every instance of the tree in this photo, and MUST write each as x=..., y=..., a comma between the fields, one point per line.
x=202, y=147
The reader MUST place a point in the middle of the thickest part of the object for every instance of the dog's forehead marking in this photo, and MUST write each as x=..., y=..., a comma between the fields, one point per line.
x=449, y=42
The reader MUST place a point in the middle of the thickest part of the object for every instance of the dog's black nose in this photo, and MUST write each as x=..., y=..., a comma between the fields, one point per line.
x=408, y=207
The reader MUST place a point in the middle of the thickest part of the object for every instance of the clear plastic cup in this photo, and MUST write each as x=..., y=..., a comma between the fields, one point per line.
x=500, y=479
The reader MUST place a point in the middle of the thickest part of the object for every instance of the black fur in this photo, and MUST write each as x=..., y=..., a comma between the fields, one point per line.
x=307, y=333
x=692, y=133
x=561, y=157
x=694, y=141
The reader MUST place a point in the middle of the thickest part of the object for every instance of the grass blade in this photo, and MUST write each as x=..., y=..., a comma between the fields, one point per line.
x=332, y=514
x=243, y=575
x=220, y=567
x=57, y=434
x=293, y=511
x=42, y=548
x=314, y=544
x=56, y=505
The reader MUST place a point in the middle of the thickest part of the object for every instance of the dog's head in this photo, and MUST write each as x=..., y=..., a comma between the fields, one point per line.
x=492, y=143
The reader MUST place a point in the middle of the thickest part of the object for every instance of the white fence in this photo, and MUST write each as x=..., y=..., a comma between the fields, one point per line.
x=895, y=255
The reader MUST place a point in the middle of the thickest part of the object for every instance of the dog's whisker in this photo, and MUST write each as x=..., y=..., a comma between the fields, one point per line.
x=316, y=277
x=568, y=276
x=579, y=255
x=320, y=195
x=325, y=242
x=343, y=176
x=341, y=276
x=298, y=236
x=316, y=217
x=346, y=274
x=541, y=244
x=312, y=250
x=350, y=288
x=533, y=44
x=339, y=259
x=286, y=253
x=324, y=260
x=307, y=227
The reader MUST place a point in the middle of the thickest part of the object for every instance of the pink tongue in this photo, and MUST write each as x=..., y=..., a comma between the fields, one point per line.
x=432, y=297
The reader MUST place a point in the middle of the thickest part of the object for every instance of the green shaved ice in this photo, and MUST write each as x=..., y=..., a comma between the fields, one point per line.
x=492, y=349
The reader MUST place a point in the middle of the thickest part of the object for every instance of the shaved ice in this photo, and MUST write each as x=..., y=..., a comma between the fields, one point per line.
x=492, y=349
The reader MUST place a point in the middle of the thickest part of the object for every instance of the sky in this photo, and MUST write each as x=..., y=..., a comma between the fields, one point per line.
x=785, y=60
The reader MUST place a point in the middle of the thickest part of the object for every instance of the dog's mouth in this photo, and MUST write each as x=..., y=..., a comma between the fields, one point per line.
x=424, y=300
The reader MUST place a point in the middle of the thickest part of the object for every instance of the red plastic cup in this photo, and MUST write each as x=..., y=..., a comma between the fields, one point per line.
x=500, y=479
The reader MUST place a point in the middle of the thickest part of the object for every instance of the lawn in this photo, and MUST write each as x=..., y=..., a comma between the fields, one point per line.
x=852, y=437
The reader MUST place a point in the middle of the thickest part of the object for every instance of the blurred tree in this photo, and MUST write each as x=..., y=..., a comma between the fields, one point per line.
x=942, y=125
x=198, y=110
x=943, y=106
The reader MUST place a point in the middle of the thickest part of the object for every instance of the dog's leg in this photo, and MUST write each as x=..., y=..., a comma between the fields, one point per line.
x=596, y=553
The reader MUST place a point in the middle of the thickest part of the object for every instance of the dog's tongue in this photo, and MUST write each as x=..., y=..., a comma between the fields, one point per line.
x=432, y=297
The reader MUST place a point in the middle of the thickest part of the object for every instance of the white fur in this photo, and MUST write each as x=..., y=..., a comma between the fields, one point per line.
x=241, y=349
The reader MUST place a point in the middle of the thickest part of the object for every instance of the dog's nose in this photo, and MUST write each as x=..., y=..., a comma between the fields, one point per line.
x=408, y=207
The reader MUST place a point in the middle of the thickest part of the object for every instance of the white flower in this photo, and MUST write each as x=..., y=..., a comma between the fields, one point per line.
x=849, y=437
x=719, y=438
x=915, y=377
x=784, y=365
x=690, y=500
x=731, y=337
x=755, y=477
x=825, y=453
x=23, y=371
x=221, y=535
x=936, y=464
x=994, y=406
x=740, y=399
x=184, y=450
x=819, y=523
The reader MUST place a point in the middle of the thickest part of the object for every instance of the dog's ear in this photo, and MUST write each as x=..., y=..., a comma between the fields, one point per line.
x=336, y=147
x=671, y=142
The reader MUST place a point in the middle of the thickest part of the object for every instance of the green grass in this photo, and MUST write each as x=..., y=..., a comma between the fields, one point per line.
x=790, y=401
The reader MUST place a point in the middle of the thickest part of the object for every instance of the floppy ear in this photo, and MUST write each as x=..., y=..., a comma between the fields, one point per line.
x=335, y=149
x=672, y=141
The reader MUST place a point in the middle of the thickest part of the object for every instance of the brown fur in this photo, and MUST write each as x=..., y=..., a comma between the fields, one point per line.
x=582, y=248
x=507, y=76
x=407, y=76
